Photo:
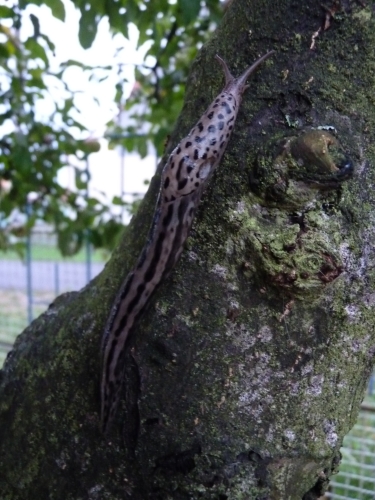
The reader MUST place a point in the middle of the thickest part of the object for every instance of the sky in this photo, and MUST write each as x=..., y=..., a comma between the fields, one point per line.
x=105, y=166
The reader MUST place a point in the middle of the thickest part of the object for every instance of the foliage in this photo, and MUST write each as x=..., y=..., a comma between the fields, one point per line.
x=33, y=150
x=177, y=30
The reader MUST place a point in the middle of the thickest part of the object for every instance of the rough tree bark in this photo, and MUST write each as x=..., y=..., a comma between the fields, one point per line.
x=250, y=365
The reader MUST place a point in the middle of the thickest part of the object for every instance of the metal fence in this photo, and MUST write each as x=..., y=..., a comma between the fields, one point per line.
x=356, y=479
x=28, y=286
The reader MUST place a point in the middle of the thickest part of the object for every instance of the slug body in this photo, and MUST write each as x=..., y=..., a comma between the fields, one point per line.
x=185, y=175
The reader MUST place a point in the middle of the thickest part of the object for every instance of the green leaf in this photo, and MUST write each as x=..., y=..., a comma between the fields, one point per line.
x=81, y=179
x=69, y=242
x=57, y=8
x=6, y=12
x=4, y=52
x=116, y=200
x=36, y=25
x=36, y=50
x=88, y=27
x=190, y=10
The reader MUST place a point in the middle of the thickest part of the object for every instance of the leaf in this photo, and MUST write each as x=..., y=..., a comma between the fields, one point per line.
x=4, y=52
x=87, y=28
x=6, y=12
x=81, y=178
x=190, y=10
x=57, y=8
x=116, y=200
x=69, y=242
x=36, y=50
x=50, y=44
x=35, y=22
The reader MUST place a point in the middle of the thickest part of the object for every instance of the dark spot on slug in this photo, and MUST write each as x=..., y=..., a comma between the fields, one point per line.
x=230, y=98
x=188, y=144
x=189, y=169
x=215, y=105
x=211, y=128
x=198, y=138
x=230, y=127
x=168, y=217
x=200, y=126
x=150, y=273
x=178, y=150
x=227, y=107
x=182, y=184
x=118, y=331
x=217, y=100
x=196, y=154
x=221, y=125
x=136, y=298
x=166, y=182
x=231, y=119
x=220, y=116
x=212, y=142
x=180, y=163
x=210, y=115
x=222, y=145
x=204, y=157
x=172, y=165
x=196, y=184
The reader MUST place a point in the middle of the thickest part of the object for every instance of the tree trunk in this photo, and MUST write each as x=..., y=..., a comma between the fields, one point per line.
x=250, y=365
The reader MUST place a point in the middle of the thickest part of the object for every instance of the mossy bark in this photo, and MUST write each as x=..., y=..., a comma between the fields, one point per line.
x=249, y=368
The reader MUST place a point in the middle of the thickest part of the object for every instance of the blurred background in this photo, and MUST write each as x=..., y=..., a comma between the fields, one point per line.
x=89, y=91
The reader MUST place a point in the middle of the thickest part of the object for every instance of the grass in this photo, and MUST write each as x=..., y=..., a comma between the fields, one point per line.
x=51, y=253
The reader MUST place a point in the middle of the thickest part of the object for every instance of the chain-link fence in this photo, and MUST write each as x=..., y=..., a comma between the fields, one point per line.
x=27, y=287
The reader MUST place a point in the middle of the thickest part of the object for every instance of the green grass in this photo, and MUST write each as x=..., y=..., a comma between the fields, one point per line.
x=51, y=253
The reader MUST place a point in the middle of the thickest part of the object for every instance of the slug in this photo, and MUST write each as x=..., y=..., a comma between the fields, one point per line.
x=184, y=178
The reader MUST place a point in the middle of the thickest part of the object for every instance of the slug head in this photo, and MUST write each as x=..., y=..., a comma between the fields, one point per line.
x=237, y=86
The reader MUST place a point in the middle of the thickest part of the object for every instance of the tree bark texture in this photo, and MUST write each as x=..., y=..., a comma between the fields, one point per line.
x=250, y=365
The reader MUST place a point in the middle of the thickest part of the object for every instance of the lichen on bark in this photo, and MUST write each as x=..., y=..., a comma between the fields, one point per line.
x=249, y=367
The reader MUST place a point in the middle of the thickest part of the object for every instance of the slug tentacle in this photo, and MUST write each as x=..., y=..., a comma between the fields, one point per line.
x=241, y=81
x=185, y=175
x=228, y=75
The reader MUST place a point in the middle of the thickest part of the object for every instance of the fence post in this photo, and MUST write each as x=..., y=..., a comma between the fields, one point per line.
x=29, y=287
x=57, y=279
x=87, y=232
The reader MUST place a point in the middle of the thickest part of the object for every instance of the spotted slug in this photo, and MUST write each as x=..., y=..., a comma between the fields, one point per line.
x=184, y=177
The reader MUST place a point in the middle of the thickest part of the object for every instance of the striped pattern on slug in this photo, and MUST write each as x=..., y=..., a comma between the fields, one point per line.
x=185, y=175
